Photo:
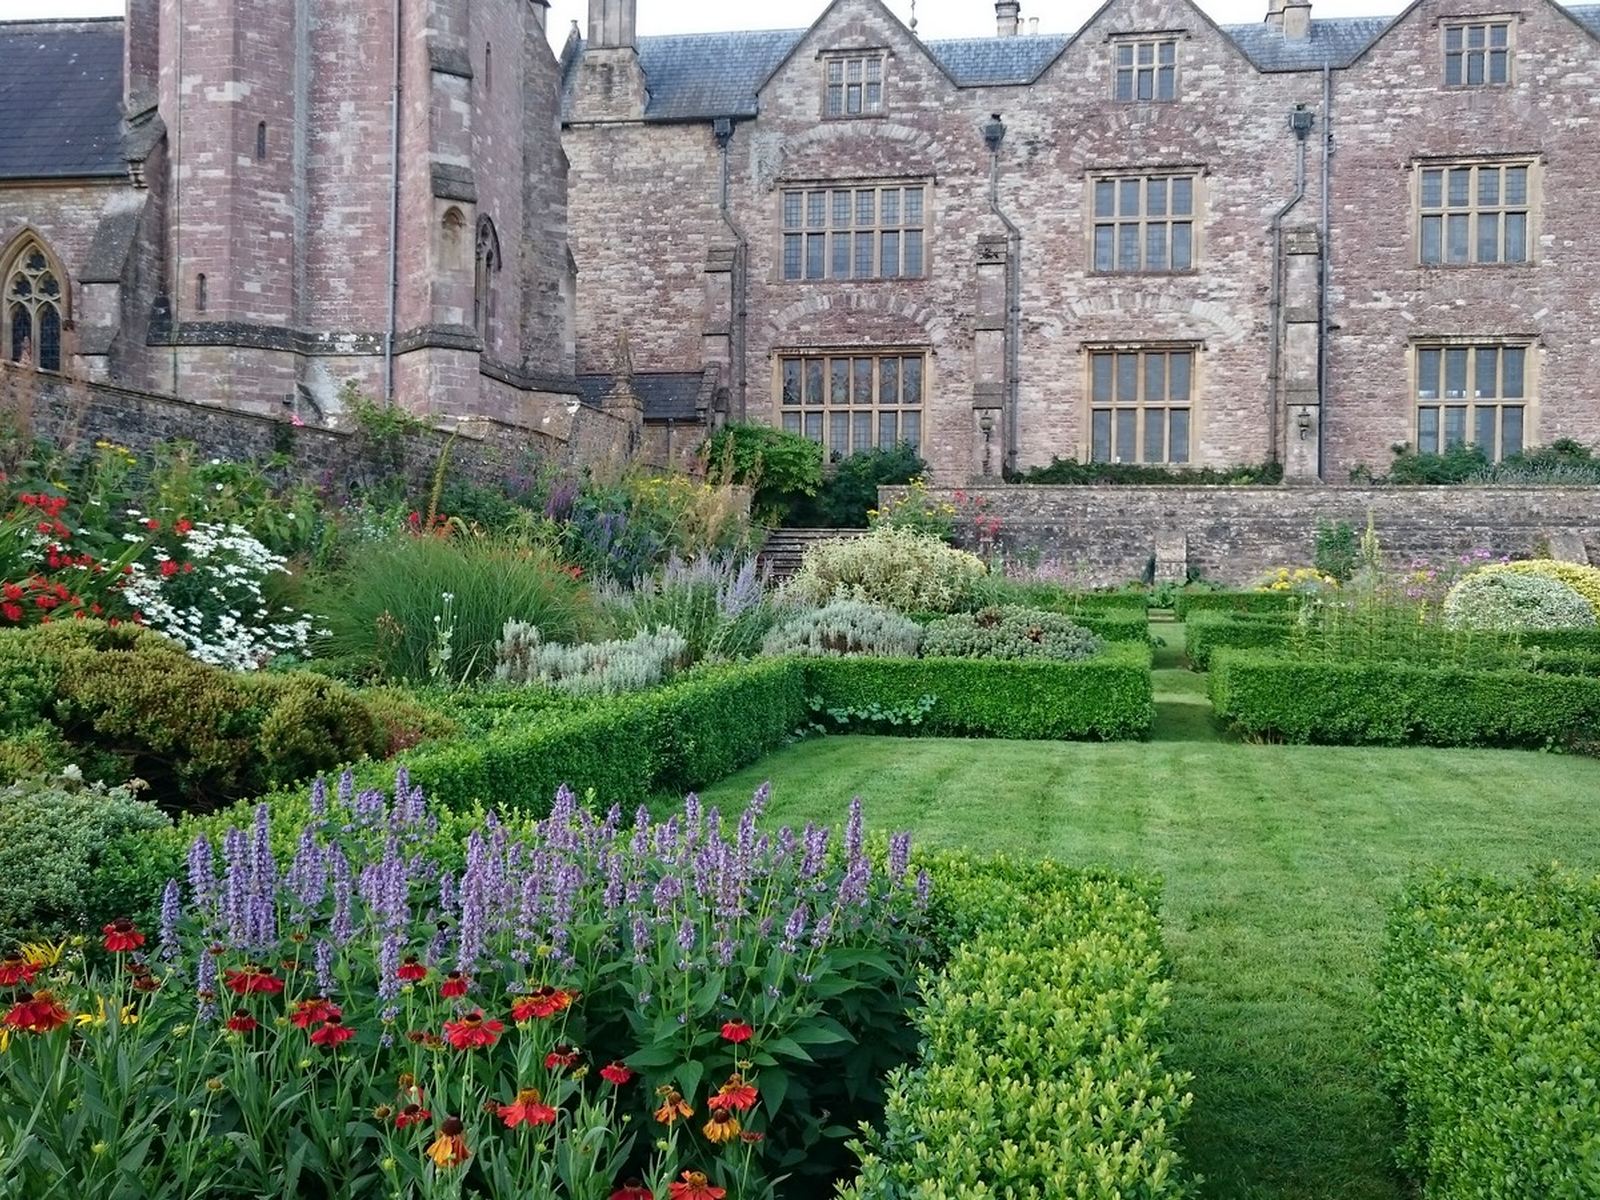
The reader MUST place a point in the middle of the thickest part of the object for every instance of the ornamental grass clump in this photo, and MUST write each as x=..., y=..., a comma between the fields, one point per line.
x=1009, y=633
x=592, y=668
x=582, y=1007
x=1503, y=600
x=845, y=628
x=719, y=605
x=895, y=567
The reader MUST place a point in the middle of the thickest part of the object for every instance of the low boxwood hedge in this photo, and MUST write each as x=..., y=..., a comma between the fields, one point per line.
x=1106, y=697
x=1489, y=1035
x=1209, y=630
x=1041, y=1071
x=1272, y=695
x=1563, y=639
x=1115, y=624
x=1188, y=603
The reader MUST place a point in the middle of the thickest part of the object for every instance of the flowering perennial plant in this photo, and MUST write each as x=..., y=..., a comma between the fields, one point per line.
x=580, y=1010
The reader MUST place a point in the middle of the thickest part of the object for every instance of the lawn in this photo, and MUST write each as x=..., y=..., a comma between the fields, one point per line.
x=1279, y=865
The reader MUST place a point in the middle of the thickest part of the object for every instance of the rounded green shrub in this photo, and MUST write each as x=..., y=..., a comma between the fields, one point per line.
x=1009, y=633
x=894, y=567
x=1509, y=600
x=1584, y=580
x=845, y=628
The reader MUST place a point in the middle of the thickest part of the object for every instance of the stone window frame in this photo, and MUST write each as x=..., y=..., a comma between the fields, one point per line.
x=814, y=243
x=847, y=70
x=1443, y=214
x=15, y=264
x=808, y=400
x=1430, y=407
x=1456, y=49
x=1129, y=65
x=1144, y=175
x=1111, y=401
x=487, y=263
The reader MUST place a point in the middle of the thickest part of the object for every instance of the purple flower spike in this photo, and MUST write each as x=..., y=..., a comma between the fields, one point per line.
x=171, y=909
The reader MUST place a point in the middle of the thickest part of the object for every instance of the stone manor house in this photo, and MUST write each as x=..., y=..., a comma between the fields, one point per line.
x=1156, y=240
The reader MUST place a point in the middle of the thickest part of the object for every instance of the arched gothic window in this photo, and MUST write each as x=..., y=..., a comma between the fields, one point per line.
x=488, y=266
x=34, y=309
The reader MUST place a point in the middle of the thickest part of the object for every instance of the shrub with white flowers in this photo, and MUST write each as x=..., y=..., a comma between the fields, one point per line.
x=203, y=588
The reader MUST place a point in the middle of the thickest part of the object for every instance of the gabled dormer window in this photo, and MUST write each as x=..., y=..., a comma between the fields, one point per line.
x=854, y=84
x=1477, y=53
x=1146, y=67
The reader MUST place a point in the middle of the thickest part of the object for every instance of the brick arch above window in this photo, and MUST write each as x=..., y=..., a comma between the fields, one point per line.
x=35, y=303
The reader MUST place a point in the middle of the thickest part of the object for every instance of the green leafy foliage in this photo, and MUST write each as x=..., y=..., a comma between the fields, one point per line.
x=1563, y=461
x=1506, y=600
x=850, y=492
x=1337, y=550
x=1209, y=631
x=1009, y=633
x=1367, y=702
x=1489, y=1034
x=1107, y=697
x=1042, y=1068
x=874, y=718
x=1071, y=471
x=1237, y=602
x=1581, y=578
x=845, y=628
x=898, y=568
x=783, y=469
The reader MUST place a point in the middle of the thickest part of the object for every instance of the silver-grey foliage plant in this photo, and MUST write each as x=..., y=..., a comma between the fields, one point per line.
x=590, y=669
x=845, y=628
x=1009, y=633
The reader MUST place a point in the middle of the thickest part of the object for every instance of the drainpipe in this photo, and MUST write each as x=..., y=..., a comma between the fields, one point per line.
x=175, y=173
x=394, y=214
x=994, y=133
x=722, y=128
x=1299, y=123
x=1323, y=323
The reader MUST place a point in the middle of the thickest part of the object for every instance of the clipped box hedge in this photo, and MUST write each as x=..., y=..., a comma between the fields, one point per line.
x=1587, y=640
x=1115, y=624
x=1189, y=603
x=1041, y=1071
x=1489, y=1035
x=1107, y=697
x=1209, y=631
x=1268, y=695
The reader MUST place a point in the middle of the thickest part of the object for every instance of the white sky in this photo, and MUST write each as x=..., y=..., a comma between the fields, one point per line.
x=936, y=18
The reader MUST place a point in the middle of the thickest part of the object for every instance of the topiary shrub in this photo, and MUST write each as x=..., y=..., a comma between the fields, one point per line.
x=1509, y=600
x=593, y=668
x=1010, y=633
x=1582, y=579
x=898, y=568
x=58, y=837
x=844, y=628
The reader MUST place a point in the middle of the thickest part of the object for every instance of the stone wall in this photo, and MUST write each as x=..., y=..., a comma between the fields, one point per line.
x=1232, y=534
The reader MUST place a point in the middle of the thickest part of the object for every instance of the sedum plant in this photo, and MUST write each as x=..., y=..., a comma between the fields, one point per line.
x=898, y=568
x=1504, y=600
x=1009, y=633
x=845, y=628
x=593, y=668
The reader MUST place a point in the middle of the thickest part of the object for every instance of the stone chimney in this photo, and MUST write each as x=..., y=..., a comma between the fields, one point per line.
x=1297, y=20
x=1008, y=16
x=1033, y=26
x=613, y=23
x=541, y=14
x=141, y=55
x=1275, y=13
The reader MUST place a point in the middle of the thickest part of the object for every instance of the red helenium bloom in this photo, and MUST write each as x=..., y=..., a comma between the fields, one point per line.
x=16, y=970
x=455, y=984
x=541, y=1003
x=616, y=1073
x=251, y=980
x=472, y=1031
x=695, y=1187
x=411, y=1114
x=563, y=1057
x=38, y=1013
x=318, y=1008
x=734, y=1096
x=242, y=1022
x=333, y=1032
x=121, y=936
x=633, y=1190
x=411, y=971
x=527, y=1109
x=736, y=1031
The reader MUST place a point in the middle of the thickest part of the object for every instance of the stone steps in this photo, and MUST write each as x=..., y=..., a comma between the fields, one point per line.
x=780, y=555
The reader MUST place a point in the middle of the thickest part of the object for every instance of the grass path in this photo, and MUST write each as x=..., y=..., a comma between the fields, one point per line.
x=1279, y=865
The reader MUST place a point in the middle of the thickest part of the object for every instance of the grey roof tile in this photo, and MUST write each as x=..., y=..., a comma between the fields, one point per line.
x=976, y=62
x=61, y=91
x=1588, y=15
x=667, y=395
x=1333, y=42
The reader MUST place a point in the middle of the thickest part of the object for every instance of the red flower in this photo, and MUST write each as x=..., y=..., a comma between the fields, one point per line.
x=633, y=1190
x=15, y=970
x=308, y=1012
x=152, y=524
x=13, y=612
x=12, y=591
x=411, y=1114
x=472, y=1031
x=540, y=1003
x=121, y=936
x=734, y=1096
x=333, y=1032
x=695, y=1187
x=251, y=980
x=38, y=1013
x=188, y=568
x=411, y=971
x=242, y=1022
x=169, y=569
x=563, y=1057
x=616, y=1073
x=527, y=1109
x=183, y=526
x=736, y=1032
x=455, y=984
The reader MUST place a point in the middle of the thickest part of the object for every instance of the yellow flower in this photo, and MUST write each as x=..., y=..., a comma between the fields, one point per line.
x=43, y=954
x=126, y=1017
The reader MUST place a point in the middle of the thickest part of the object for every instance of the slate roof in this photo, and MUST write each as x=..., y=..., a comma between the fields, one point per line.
x=1333, y=42
x=667, y=395
x=61, y=96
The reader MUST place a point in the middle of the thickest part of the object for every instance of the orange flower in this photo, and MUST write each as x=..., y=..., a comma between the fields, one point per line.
x=542, y=1002
x=722, y=1127
x=318, y=1008
x=38, y=1013
x=734, y=1096
x=472, y=1031
x=333, y=1032
x=527, y=1109
x=121, y=936
x=695, y=1187
x=737, y=1031
x=449, y=1149
x=673, y=1106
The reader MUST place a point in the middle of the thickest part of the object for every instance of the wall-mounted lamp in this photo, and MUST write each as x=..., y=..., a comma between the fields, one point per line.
x=986, y=427
x=1301, y=119
x=1305, y=423
x=722, y=130
x=994, y=132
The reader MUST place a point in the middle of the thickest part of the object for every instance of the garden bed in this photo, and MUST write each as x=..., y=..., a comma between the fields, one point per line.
x=1209, y=630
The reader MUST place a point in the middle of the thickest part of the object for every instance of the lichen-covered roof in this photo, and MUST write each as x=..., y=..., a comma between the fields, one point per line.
x=61, y=93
